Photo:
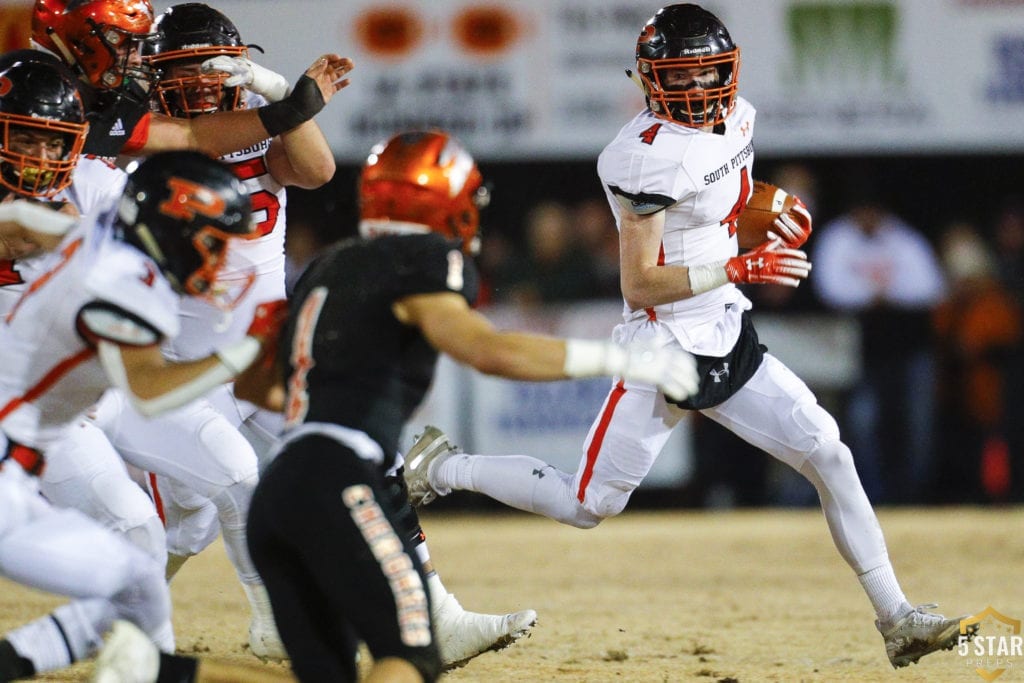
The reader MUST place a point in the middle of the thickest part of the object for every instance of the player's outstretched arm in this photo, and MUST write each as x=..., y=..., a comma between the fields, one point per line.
x=451, y=326
x=155, y=385
x=28, y=226
x=225, y=132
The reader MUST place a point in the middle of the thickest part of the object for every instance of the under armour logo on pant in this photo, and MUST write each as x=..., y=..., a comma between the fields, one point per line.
x=719, y=374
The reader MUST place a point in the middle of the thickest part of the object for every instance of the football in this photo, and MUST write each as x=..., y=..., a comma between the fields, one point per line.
x=766, y=204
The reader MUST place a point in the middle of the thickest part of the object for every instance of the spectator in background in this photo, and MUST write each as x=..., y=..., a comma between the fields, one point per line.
x=978, y=327
x=1008, y=235
x=556, y=267
x=594, y=227
x=871, y=264
x=501, y=266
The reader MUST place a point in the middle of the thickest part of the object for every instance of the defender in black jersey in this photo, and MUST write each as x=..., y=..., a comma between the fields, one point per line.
x=329, y=536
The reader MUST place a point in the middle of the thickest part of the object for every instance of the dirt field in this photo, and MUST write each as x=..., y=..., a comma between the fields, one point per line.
x=656, y=597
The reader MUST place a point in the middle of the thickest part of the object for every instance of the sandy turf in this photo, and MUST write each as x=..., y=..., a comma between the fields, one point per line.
x=666, y=596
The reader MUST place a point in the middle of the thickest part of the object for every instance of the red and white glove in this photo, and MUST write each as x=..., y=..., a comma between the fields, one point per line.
x=769, y=264
x=793, y=227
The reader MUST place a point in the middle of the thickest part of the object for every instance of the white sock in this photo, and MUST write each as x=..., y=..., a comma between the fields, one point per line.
x=438, y=593
x=46, y=641
x=885, y=593
x=518, y=481
x=259, y=601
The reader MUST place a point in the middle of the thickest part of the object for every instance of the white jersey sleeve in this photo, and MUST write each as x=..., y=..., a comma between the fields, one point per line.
x=96, y=183
x=127, y=296
x=50, y=372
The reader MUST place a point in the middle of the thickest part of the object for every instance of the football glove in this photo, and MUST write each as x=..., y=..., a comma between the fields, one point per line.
x=793, y=227
x=771, y=264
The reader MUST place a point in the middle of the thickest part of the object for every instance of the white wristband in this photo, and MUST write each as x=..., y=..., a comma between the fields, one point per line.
x=584, y=357
x=707, y=277
x=240, y=355
x=593, y=358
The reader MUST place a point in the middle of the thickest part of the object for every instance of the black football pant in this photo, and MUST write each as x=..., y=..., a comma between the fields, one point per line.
x=324, y=536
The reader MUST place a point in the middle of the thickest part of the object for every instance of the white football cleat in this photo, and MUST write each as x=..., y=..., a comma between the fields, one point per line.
x=463, y=635
x=431, y=447
x=918, y=633
x=129, y=656
x=265, y=642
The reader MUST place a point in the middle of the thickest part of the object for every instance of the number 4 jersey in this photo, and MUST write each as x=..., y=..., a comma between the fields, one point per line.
x=701, y=180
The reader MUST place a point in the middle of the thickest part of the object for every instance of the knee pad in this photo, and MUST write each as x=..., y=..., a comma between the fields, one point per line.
x=150, y=537
x=830, y=458
x=146, y=600
x=608, y=501
x=233, y=502
x=190, y=519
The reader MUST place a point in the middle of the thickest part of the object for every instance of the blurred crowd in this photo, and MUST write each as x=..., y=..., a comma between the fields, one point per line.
x=937, y=414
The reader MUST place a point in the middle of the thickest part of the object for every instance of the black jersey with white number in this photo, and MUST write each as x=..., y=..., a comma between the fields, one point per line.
x=349, y=360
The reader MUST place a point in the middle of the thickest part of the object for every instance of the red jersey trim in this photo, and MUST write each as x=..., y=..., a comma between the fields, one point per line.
x=140, y=135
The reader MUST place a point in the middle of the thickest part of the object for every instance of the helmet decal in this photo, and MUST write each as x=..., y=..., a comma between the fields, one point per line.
x=187, y=199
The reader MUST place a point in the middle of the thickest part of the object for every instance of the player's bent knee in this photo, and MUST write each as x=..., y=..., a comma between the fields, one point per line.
x=150, y=537
x=145, y=600
x=607, y=502
x=831, y=457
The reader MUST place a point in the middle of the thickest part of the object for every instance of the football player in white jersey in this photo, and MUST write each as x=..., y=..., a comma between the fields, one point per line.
x=43, y=127
x=44, y=124
x=200, y=468
x=105, y=300
x=676, y=177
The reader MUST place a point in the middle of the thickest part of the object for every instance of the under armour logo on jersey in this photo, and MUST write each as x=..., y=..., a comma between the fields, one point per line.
x=745, y=129
x=717, y=375
x=539, y=473
x=118, y=128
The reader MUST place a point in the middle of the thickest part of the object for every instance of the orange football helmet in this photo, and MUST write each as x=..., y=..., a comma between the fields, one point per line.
x=95, y=37
x=422, y=181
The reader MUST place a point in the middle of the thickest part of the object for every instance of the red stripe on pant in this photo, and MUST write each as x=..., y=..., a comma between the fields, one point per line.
x=158, y=502
x=595, y=446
